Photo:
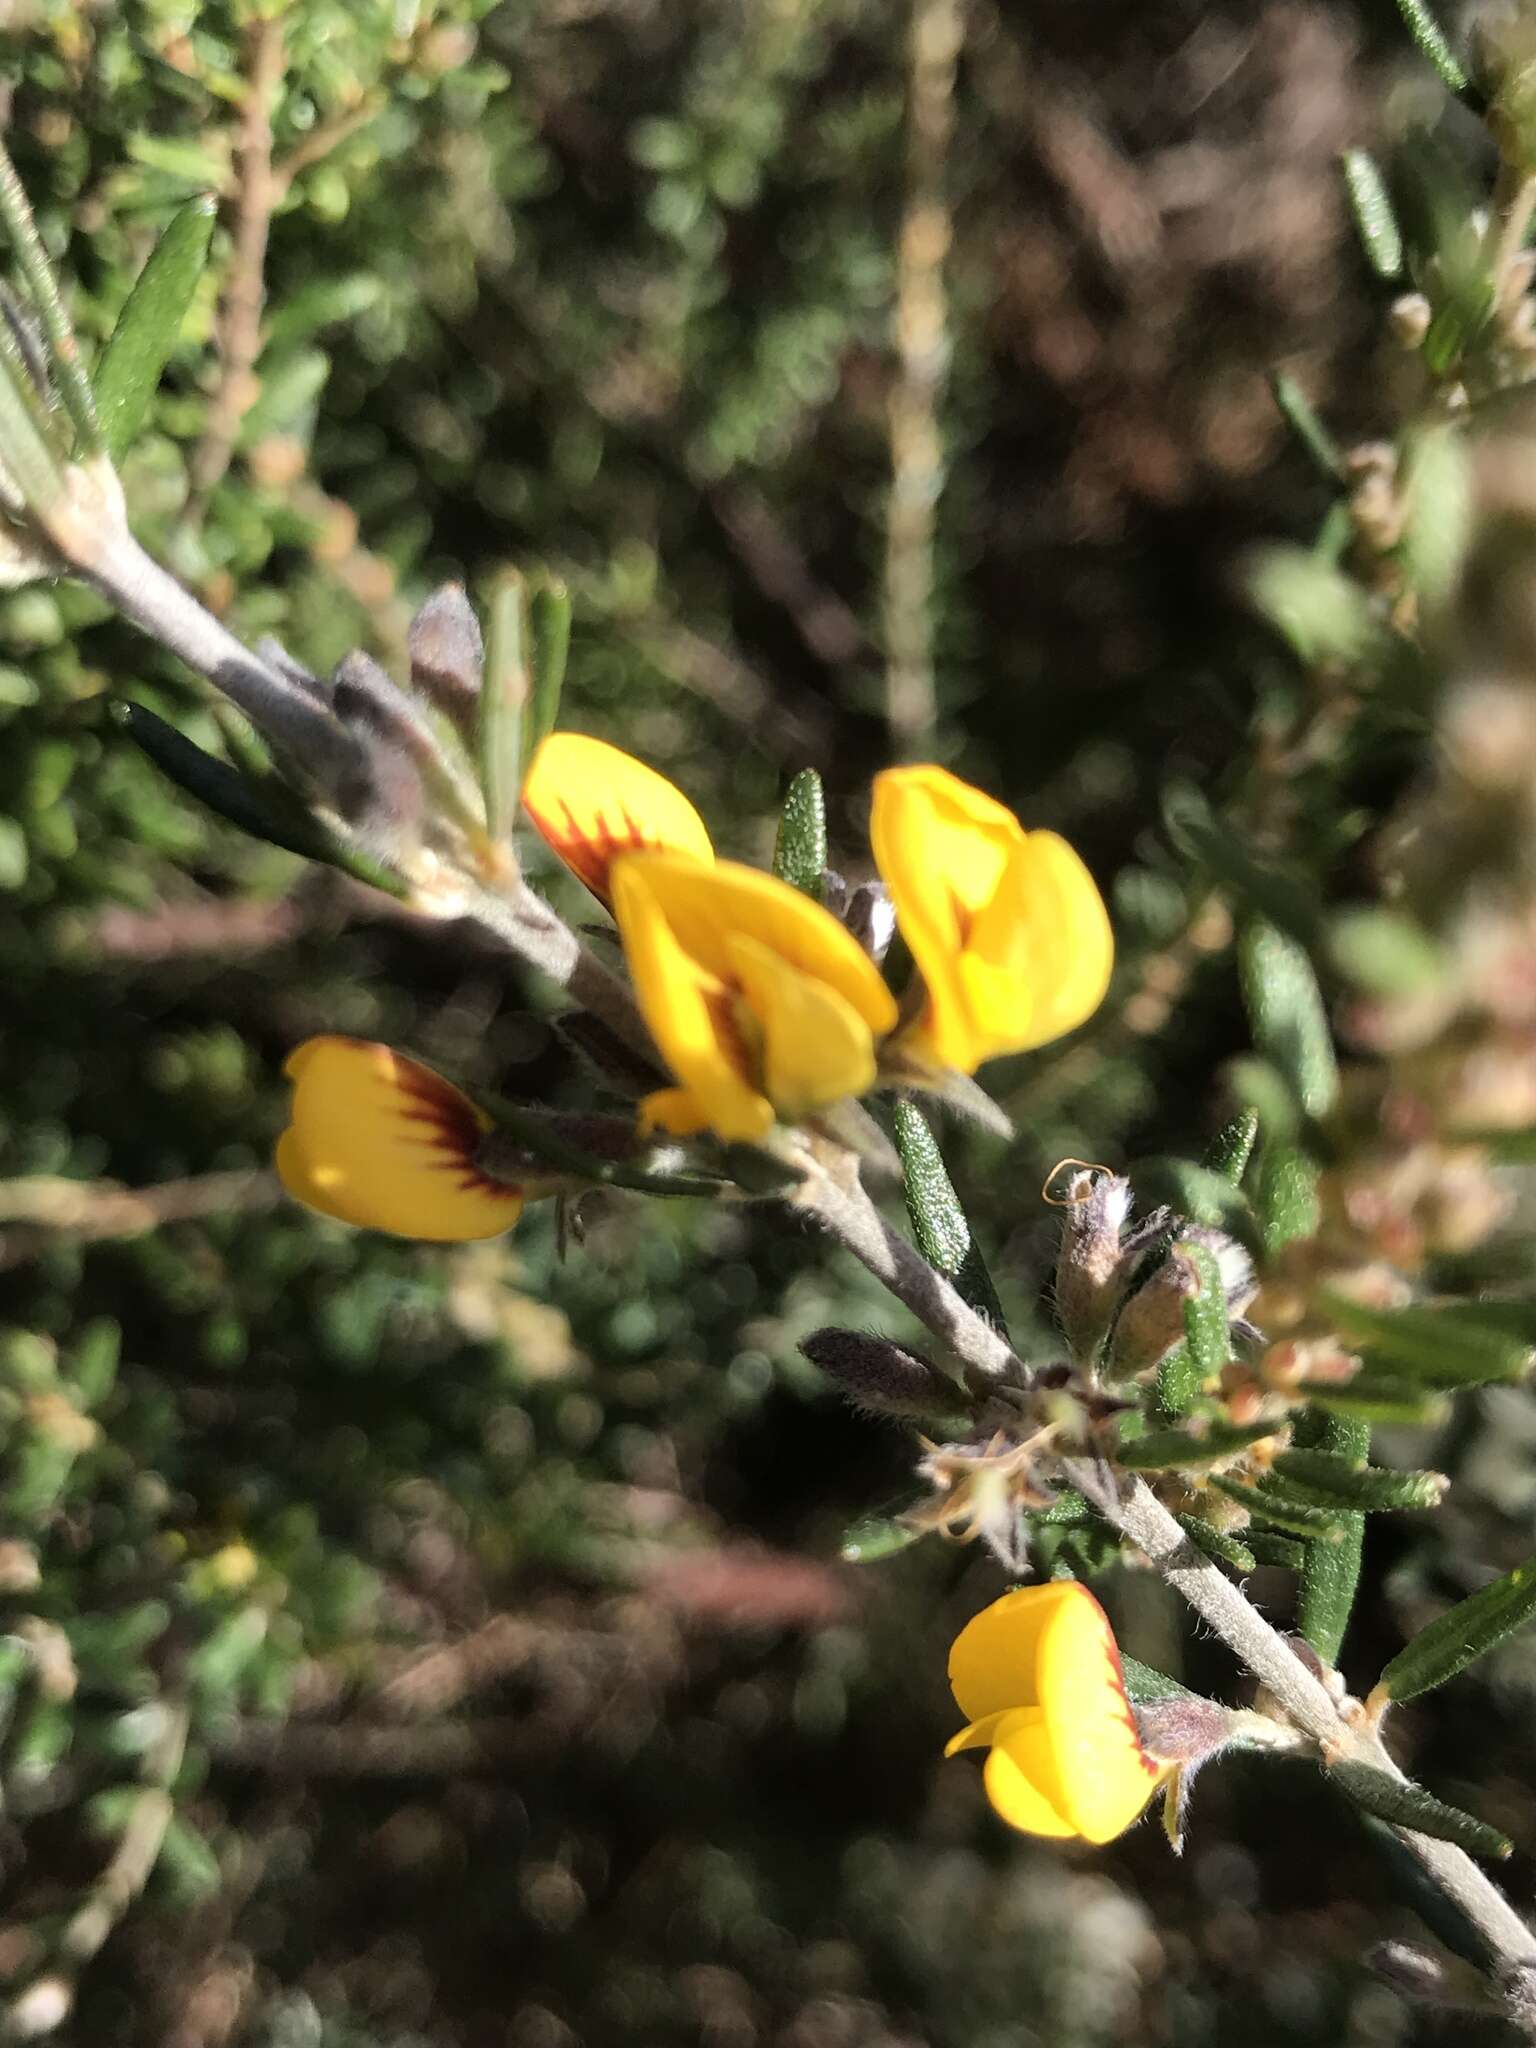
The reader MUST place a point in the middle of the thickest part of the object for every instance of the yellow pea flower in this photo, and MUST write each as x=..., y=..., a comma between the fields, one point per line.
x=760, y=1002
x=378, y=1140
x=1037, y=1675
x=591, y=802
x=1006, y=927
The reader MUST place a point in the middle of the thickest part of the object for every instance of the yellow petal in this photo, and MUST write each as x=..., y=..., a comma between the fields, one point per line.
x=1006, y=928
x=992, y=1664
x=705, y=906
x=687, y=1009
x=1104, y=1776
x=1022, y=1780
x=981, y=1734
x=380, y=1141
x=816, y=1048
x=1047, y=928
x=675, y=1111
x=591, y=802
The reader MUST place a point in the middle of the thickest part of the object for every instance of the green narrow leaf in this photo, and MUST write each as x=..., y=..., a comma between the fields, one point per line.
x=1285, y=1007
x=1296, y=409
x=1287, y=1198
x=1144, y=1683
x=1371, y=205
x=549, y=634
x=215, y=783
x=1178, y=1383
x=1232, y=1147
x=1284, y=1553
x=1409, y=1806
x=800, y=852
x=1207, y=1341
x=1216, y=1543
x=1201, y=836
x=503, y=695
x=1438, y=1347
x=94, y=1361
x=262, y=810
x=1436, y=481
x=1384, y=952
x=150, y=324
x=31, y=458
x=875, y=1537
x=1068, y=1507
x=938, y=1219
x=1468, y=1631
x=1206, y=1331
x=1332, y=1479
x=1315, y=606
x=63, y=350
x=1267, y=1504
x=1373, y=1397
x=1330, y=1572
x=1166, y=1450
x=1427, y=33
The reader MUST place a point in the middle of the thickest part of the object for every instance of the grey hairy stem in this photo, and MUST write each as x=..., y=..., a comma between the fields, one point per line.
x=848, y=1214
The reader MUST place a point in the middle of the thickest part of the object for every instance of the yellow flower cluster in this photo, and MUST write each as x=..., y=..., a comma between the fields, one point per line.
x=763, y=1006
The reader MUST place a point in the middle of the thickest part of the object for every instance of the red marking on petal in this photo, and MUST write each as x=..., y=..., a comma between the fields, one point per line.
x=1127, y=1711
x=590, y=851
x=454, y=1130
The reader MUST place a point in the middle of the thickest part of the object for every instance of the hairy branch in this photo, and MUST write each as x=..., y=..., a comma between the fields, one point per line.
x=847, y=1214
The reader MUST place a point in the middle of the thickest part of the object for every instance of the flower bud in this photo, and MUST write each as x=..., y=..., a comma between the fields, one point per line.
x=447, y=652
x=1152, y=1321
x=1089, y=1271
x=884, y=1377
x=1409, y=318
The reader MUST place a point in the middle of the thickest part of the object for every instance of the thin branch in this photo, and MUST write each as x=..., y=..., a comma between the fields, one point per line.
x=42, y=1208
x=149, y=596
x=49, y=1999
x=849, y=1215
x=239, y=335
x=922, y=348
x=317, y=145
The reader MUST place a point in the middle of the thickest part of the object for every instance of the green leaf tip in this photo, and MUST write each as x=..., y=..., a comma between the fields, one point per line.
x=876, y=1537
x=503, y=698
x=938, y=1218
x=1286, y=1009
x=1371, y=205
x=1232, y=1147
x=1408, y=1805
x=1330, y=1572
x=800, y=852
x=150, y=324
x=1469, y=1630
x=549, y=646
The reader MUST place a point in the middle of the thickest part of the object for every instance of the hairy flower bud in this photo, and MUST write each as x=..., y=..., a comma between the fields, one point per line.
x=876, y=1374
x=1089, y=1269
x=864, y=907
x=447, y=652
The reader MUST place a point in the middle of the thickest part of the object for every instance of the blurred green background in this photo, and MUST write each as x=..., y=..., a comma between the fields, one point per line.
x=525, y=1699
